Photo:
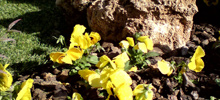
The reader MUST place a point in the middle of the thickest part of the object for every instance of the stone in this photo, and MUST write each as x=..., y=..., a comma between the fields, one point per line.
x=167, y=22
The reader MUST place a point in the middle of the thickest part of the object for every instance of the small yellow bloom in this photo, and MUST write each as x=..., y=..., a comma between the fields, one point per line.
x=141, y=46
x=25, y=92
x=5, y=78
x=165, y=67
x=143, y=92
x=103, y=61
x=148, y=42
x=196, y=62
x=124, y=44
x=130, y=41
x=76, y=96
x=91, y=76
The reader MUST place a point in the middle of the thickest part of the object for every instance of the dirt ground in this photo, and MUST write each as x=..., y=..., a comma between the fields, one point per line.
x=205, y=33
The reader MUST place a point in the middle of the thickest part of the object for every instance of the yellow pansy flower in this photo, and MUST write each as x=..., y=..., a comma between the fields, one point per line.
x=78, y=31
x=165, y=67
x=57, y=57
x=124, y=44
x=103, y=61
x=115, y=77
x=81, y=42
x=120, y=60
x=95, y=37
x=196, y=62
x=124, y=92
x=141, y=46
x=25, y=92
x=67, y=57
x=76, y=96
x=5, y=78
x=143, y=92
x=130, y=41
x=91, y=76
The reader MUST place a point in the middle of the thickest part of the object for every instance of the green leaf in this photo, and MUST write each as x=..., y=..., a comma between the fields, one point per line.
x=73, y=72
x=128, y=66
x=92, y=59
x=151, y=54
x=148, y=62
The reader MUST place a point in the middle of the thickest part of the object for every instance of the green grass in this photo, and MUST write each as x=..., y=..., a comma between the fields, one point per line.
x=41, y=20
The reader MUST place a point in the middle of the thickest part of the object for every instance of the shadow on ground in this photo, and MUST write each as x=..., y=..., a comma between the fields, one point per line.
x=48, y=21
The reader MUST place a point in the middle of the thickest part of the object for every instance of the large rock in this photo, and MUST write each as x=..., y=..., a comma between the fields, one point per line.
x=167, y=22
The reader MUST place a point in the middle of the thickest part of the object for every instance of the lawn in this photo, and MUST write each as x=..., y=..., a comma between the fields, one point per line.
x=40, y=23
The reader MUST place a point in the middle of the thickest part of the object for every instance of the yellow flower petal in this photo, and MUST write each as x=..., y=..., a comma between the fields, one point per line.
x=94, y=80
x=109, y=88
x=75, y=53
x=134, y=69
x=142, y=38
x=103, y=61
x=95, y=37
x=119, y=63
x=130, y=41
x=199, y=52
x=57, y=56
x=192, y=63
x=5, y=78
x=86, y=73
x=123, y=56
x=119, y=77
x=141, y=46
x=105, y=76
x=78, y=30
x=76, y=96
x=149, y=43
x=164, y=67
x=199, y=65
x=196, y=63
x=25, y=93
x=124, y=44
x=124, y=92
x=67, y=59
x=140, y=92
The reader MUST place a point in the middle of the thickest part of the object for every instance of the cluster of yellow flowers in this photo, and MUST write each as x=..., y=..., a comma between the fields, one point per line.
x=114, y=79
x=196, y=63
x=144, y=43
x=6, y=82
x=111, y=75
x=79, y=43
